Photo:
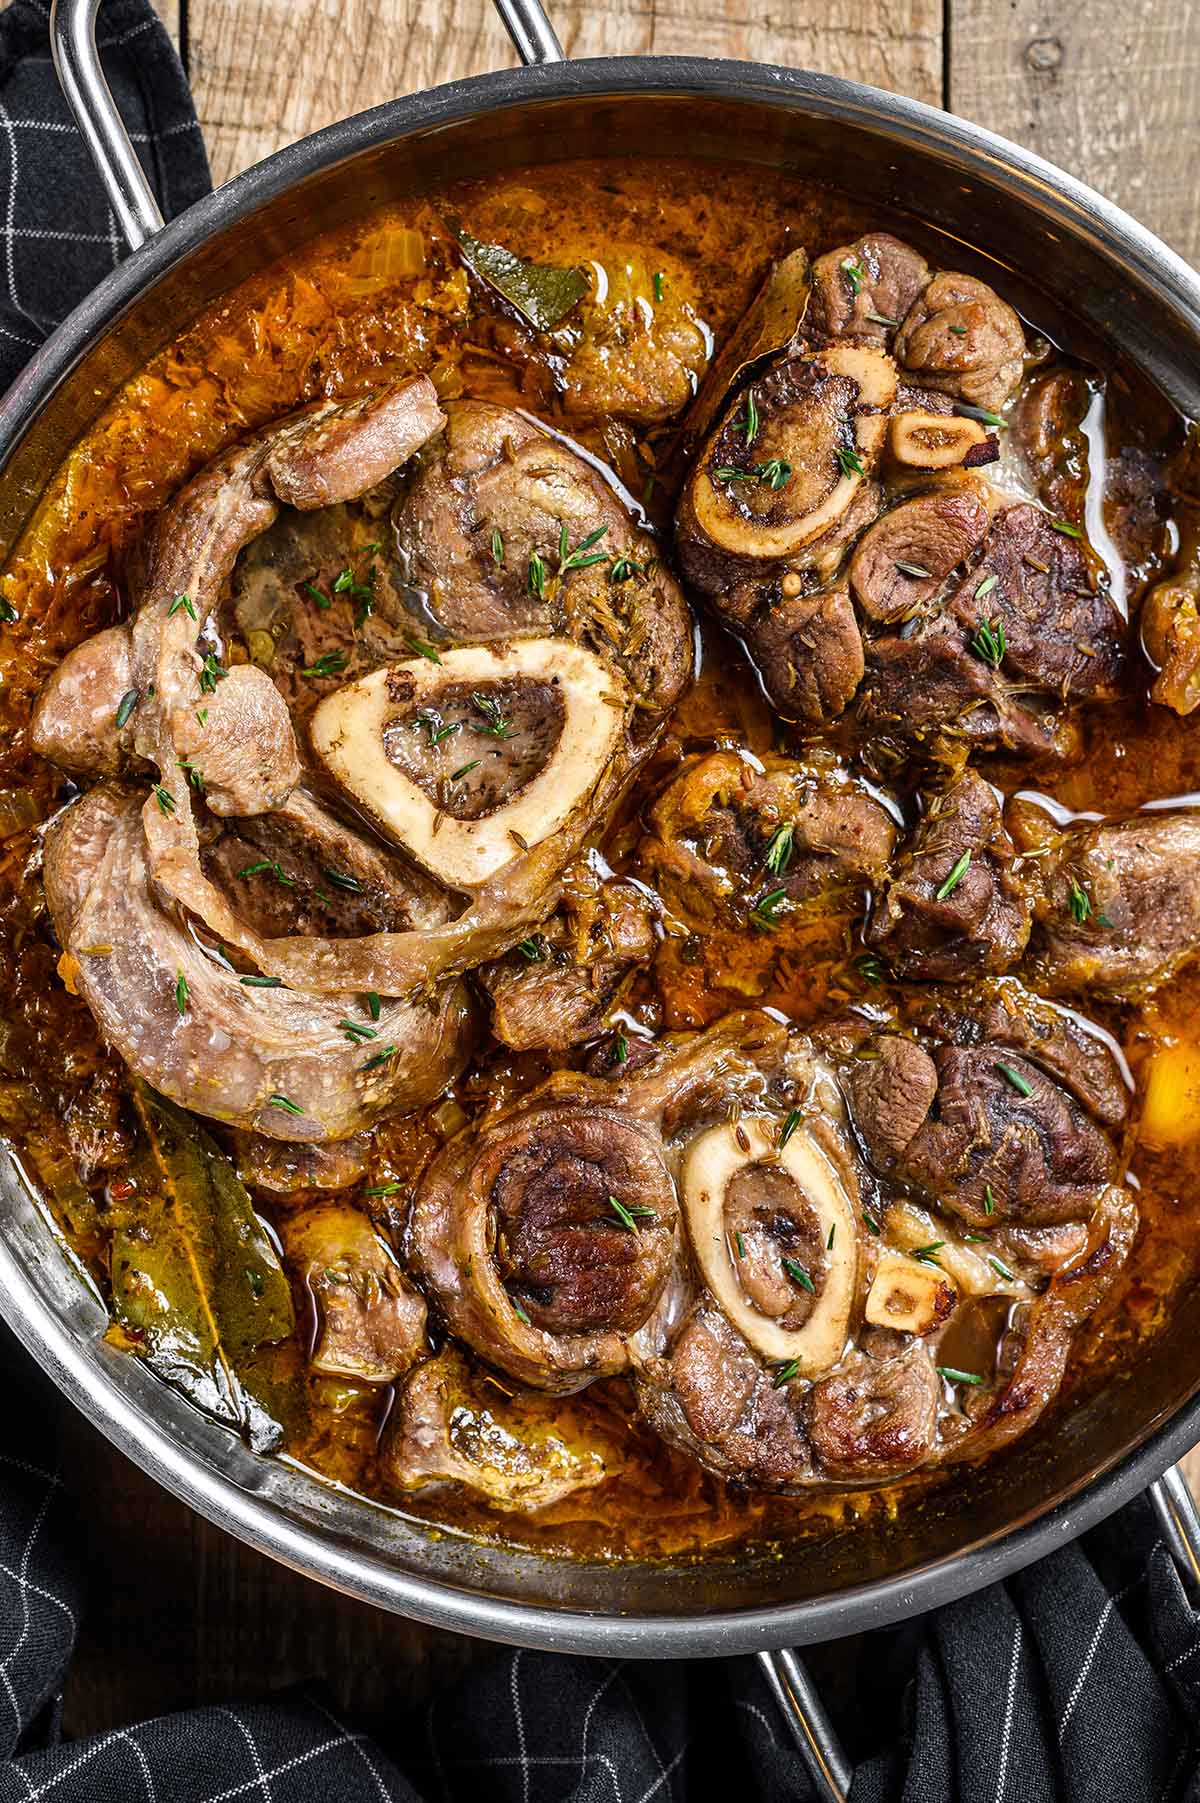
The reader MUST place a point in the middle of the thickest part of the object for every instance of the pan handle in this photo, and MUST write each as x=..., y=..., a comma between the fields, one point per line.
x=83, y=82
x=800, y=1702
x=534, y=38
x=809, y=1726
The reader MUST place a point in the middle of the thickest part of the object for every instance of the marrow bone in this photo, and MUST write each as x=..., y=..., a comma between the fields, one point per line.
x=466, y=801
x=712, y=1163
x=908, y=1297
x=829, y=434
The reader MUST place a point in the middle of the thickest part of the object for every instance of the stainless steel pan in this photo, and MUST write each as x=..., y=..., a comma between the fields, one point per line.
x=1099, y=276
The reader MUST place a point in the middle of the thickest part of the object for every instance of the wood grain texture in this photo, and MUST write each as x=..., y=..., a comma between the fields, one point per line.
x=266, y=71
x=1107, y=90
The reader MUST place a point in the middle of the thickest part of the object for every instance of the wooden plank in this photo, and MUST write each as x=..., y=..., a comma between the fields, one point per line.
x=1106, y=90
x=266, y=71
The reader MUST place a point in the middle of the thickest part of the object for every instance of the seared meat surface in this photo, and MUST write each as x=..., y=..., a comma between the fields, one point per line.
x=555, y=988
x=954, y=904
x=961, y=339
x=547, y=1236
x=994, y=1138
x=730, y=829
x=1119, y=909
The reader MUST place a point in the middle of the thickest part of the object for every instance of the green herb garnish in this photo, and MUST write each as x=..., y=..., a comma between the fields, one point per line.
x=850, y=463
x=286, y=1103
x=626, y=1216
x=1065, y=527
x=765, y=912
x=342, y=880
x=537, y=575
x=988, y=642
x=957, y=1377
x=582, y=557
x=532, y=950
x=164, y=798
x=799, y=1275
x=779, y=850
x=927, y=1255
x=1021, y=1084
x=126, y=705
x=374, y=1005
x=260, y=982
x=355, y=1031
x=784, y=1373
x=916, y=570
x=789, y=1127
x=314, y=594
x=751, y=427
x=495, y=725
x=381, y=1057
x=331, y=664
x=422, y=647
x=955, y=878
x=184, y=601
x=212, y=671
x=855, y=274
x=986, y=586
x=181, y=994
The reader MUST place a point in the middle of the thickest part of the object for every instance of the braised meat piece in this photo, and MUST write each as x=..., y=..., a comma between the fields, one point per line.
x=286, y=1168
x=954, y=904
x=901, y=562
x=877, y=1416
x=240, y=749
x=997, y=1141
x=772, y=495
x=994, y=661
x=726, y=832
x=1033, y=589
x=493, y=527
x=1119, y=910
x=555, y=988
x=864, y=290
x=635, y=347
x=257, y=1055
x=300, y=869
x=452, y=1424
x=74, y=721
x=1047, y=428
x=938, y=689
x=1080, y=1057
x=370, y=1321
x=1170, y=622
x=959, y=337
x=1034, y=1351
x=809, y=653
x=547, y=1235
x=710, y=1395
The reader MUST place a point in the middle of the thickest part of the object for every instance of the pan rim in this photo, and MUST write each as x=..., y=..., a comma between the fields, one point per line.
x=65, y=1355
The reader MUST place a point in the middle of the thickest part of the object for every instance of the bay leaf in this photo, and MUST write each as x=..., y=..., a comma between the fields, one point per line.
x=197, y=1287
x=541, y=292
x=767, y=326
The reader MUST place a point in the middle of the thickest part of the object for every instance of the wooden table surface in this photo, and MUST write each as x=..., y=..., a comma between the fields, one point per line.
x=179, y=1612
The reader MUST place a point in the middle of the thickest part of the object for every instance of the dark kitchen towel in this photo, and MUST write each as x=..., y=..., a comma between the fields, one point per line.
x=58, y=232
x=1078, y=1680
